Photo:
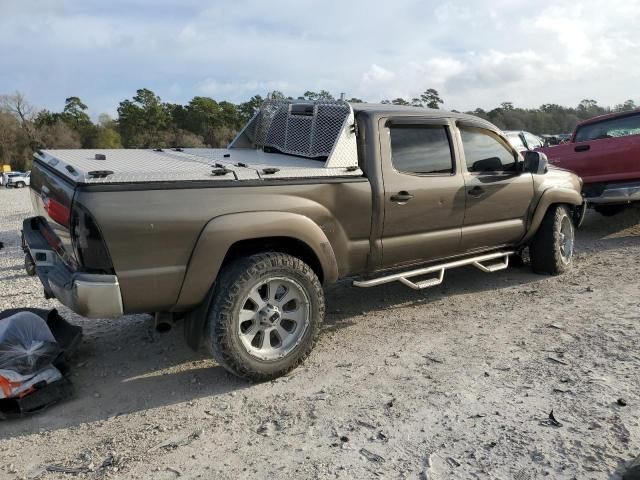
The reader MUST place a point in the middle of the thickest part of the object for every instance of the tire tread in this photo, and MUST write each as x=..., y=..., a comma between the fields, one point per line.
x=226, y=290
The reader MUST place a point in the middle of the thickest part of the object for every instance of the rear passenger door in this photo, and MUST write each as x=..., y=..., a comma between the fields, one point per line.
x=498, y=197
x=423, y=191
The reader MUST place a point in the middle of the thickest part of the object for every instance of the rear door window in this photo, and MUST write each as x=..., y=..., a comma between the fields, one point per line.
x=616, y=127
x=421, y=149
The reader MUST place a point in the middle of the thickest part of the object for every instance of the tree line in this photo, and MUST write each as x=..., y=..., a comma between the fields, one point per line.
x=145, y=121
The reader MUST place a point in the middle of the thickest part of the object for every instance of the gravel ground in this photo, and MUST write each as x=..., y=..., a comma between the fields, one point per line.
x=452, y=382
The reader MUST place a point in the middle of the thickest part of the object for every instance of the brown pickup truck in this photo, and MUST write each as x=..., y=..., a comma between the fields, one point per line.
x=239, y=242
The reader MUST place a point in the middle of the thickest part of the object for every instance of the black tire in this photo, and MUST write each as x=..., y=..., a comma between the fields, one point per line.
x=20, y=184
x=29, y=265
x=547, y=253
x=234, y=283
x=609, y=210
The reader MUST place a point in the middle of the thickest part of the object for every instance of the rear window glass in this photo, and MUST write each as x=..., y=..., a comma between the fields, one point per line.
x=616, y=127
x=421, y=149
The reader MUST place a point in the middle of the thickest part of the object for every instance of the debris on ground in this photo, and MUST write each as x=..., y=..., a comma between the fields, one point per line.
x=178, y=441
x=34, y=346
x=552, y=420
x=372, y=457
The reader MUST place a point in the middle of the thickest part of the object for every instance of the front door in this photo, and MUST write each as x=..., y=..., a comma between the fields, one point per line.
x=498, y=197
x=423, y=191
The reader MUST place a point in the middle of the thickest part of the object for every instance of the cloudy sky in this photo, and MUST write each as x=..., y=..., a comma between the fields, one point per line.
x=476, y=53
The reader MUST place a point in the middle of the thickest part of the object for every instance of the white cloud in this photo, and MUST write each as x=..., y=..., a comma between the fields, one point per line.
x=475, y=53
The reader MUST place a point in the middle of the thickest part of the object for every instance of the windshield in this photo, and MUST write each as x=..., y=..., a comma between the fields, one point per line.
x=515, y=141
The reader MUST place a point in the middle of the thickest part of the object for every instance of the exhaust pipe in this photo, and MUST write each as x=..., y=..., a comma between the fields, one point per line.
x=163, y=321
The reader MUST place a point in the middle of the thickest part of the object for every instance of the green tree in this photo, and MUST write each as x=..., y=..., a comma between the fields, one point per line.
x=431, y=98
x=74, y=114
x=247, y=109
x=399, y=101
x=143, y=120
x=317, y=96
x=627, y=106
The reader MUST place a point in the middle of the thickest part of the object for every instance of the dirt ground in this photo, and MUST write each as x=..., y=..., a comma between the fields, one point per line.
x=452, y=382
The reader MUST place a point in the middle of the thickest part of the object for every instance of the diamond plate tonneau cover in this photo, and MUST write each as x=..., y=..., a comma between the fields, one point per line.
x=198, y=164
x=285, y=139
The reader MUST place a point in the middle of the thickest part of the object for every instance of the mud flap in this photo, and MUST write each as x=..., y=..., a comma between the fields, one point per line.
x=579, y=212
x=195, y=321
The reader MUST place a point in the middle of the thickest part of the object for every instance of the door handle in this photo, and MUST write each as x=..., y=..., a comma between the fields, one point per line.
x=582, y=148
x=476, y=191
x=401, y=197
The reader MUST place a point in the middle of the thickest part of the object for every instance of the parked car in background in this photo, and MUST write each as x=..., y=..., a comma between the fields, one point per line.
x=4, y=176
x=605, y=152
x=523, y=141
x=239, y=241
x=18, y=179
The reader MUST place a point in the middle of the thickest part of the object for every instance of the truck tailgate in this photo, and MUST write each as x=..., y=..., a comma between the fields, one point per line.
x=51, y=198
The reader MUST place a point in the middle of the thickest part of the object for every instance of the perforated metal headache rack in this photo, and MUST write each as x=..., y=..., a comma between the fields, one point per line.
x=284, y=139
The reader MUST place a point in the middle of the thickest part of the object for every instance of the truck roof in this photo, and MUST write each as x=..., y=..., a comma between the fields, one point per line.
x=607, y=116
x=385, y=109
x=285, y=139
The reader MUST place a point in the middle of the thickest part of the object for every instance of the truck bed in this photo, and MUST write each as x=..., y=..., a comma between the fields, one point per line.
x=188, y=164
x=283, y=140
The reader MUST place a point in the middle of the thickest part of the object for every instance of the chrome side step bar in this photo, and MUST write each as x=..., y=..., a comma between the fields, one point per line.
x=404, y=277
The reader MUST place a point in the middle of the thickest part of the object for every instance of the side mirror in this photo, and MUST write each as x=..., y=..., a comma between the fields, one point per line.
x=535, y=162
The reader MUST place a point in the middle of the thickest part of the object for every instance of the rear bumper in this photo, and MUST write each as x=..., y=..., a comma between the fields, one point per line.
x=87, y=294
x=617, y=194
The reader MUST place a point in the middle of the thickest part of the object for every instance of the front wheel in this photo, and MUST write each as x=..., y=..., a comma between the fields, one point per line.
x=551, y=251
x=266, y=315
x=20, y=184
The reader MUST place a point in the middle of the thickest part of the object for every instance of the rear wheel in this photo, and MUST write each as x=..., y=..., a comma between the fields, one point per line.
x=20, y=184
x=609, y=210
x=551, y=251
x=266, y=314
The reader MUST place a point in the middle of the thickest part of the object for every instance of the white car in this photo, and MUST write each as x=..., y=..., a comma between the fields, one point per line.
x=18, y=179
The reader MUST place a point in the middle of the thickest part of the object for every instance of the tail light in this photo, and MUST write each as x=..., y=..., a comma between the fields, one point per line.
x=88, y=244
x=57, y=211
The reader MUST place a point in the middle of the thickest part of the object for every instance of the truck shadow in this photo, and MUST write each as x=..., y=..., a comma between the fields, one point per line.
x=123, y=366
x=345, y=303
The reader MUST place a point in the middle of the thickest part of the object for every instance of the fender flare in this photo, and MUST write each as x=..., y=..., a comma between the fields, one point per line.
x=550, y=197
x=220, y=233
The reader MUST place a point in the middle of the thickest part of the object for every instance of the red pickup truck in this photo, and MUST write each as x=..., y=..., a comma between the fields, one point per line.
x=605, y=152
